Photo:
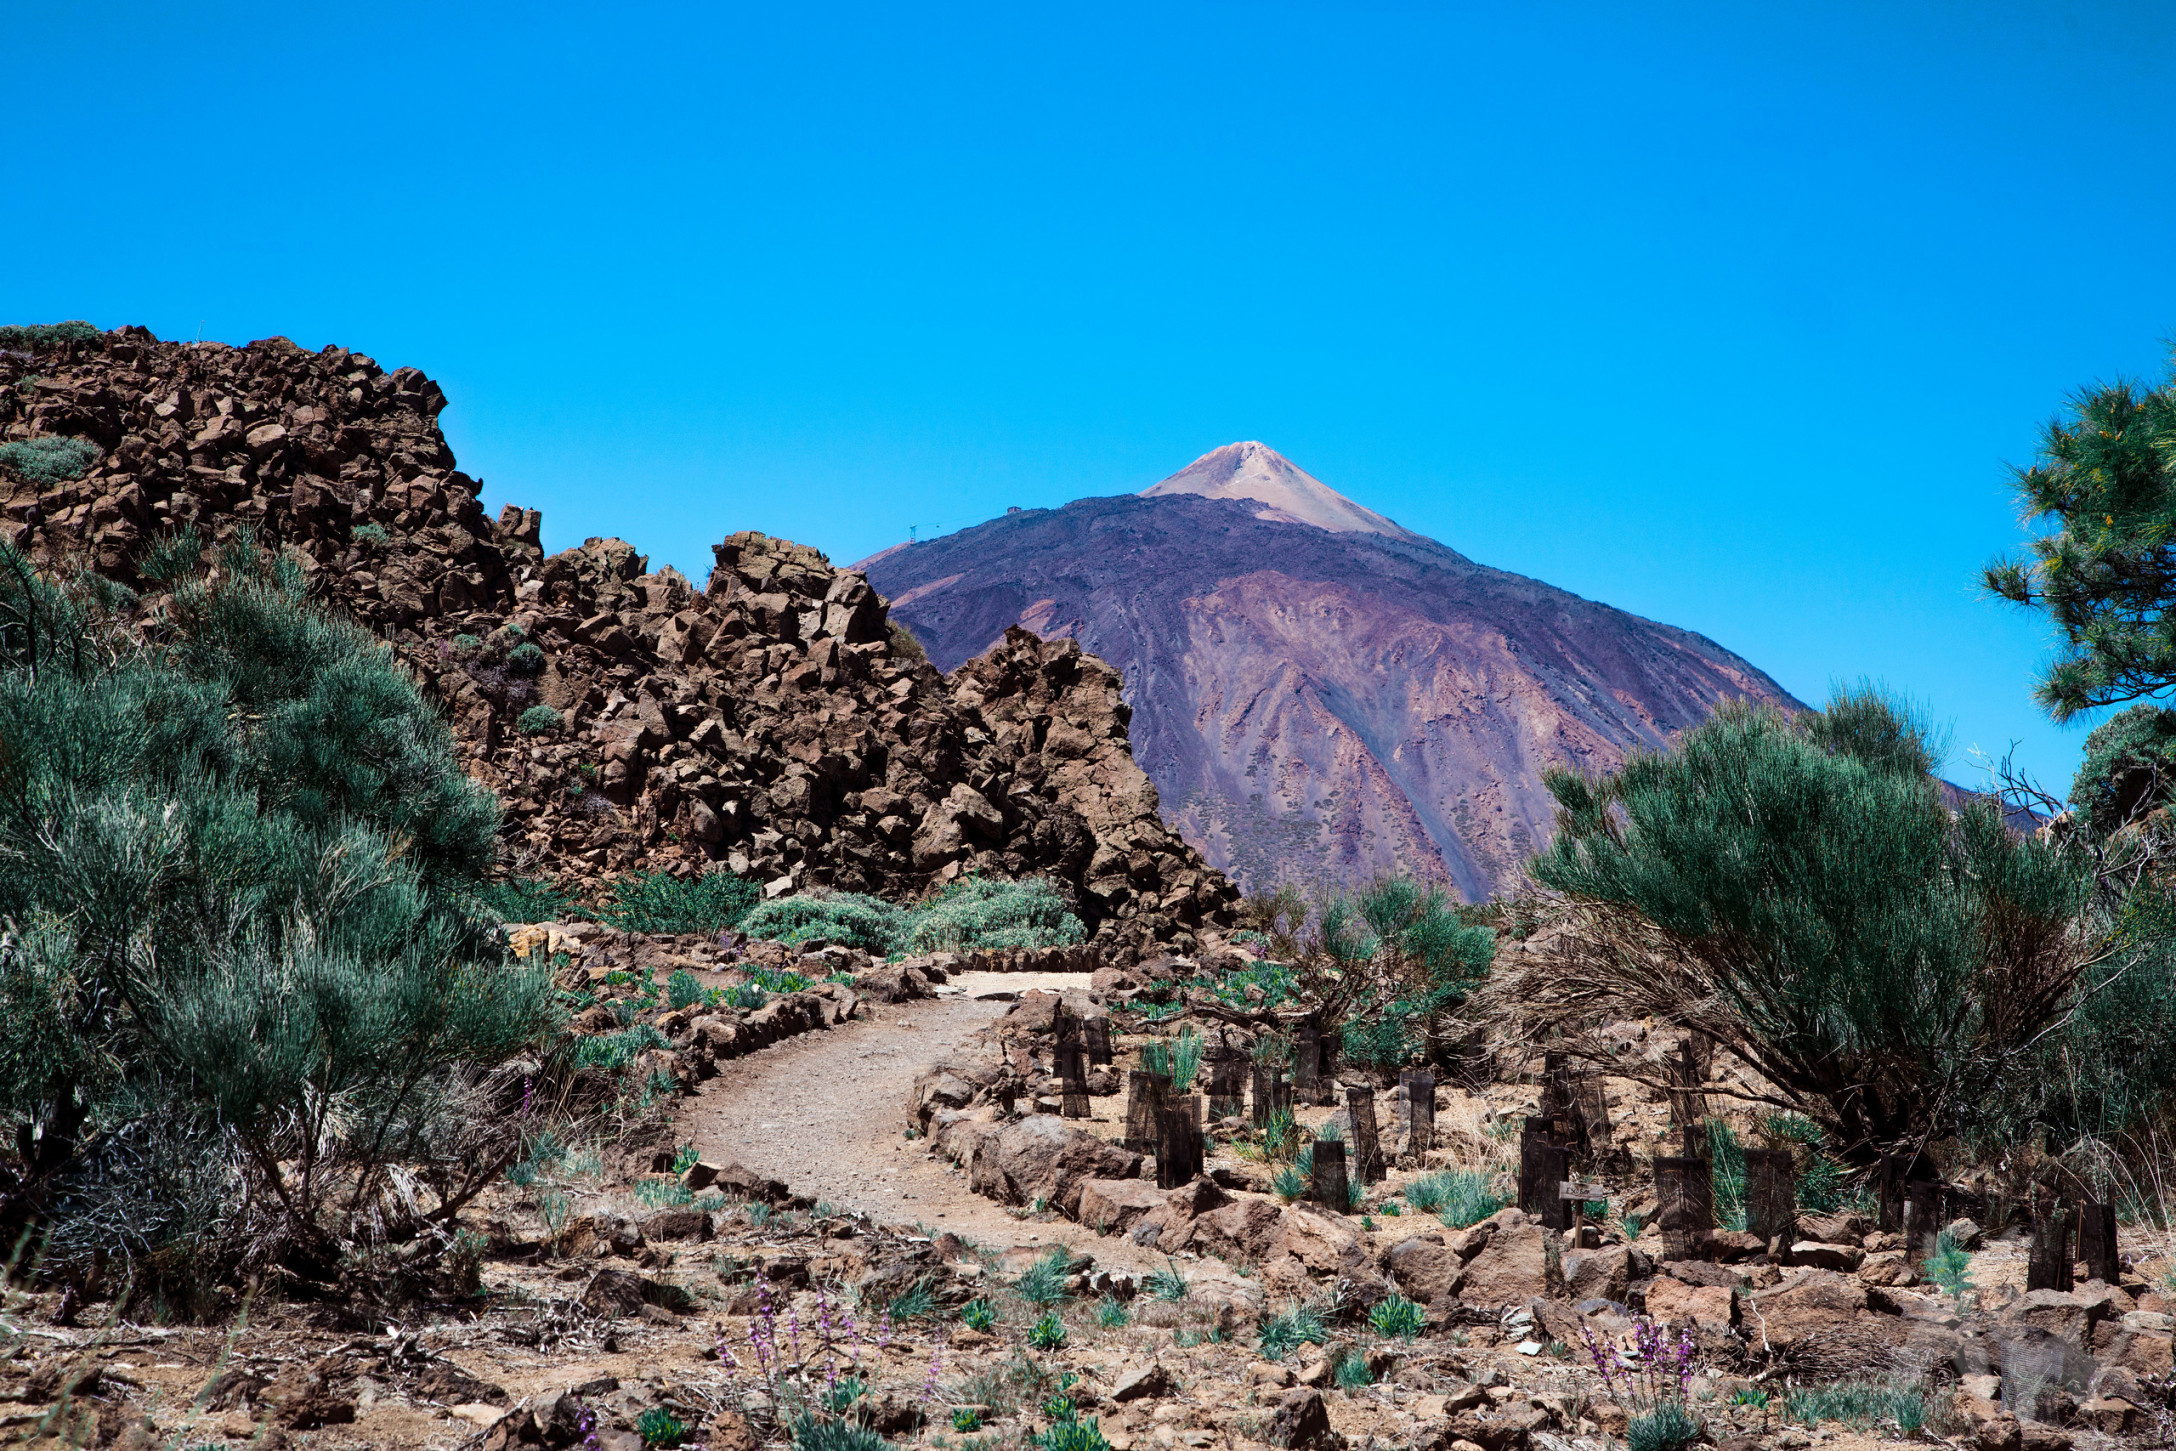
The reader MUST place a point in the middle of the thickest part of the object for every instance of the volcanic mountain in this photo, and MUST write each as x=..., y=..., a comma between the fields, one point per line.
x=1320, y=694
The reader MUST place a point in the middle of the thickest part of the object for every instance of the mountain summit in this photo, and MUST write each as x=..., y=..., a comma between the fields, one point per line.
x=1258, y=472
x=1318, y=694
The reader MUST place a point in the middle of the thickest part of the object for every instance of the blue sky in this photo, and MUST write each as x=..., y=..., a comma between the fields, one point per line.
x=1728, y=315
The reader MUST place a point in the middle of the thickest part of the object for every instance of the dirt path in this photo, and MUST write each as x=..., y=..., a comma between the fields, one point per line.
x=827, y=1112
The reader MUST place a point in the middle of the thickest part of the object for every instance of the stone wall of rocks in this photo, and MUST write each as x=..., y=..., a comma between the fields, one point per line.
x=764, y=722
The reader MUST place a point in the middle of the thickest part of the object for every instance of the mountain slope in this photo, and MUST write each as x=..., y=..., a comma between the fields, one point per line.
x=1318, y=703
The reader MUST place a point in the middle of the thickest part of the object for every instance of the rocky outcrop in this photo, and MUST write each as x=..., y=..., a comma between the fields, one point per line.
x=628, y=719
x=1319, y=694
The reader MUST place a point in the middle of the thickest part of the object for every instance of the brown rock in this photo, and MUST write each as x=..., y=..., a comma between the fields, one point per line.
x=1302, y=1421
x=1520, y=1261
x=1115, y=1206
x=1149, y=1382
x=1812, y=1301
x=1424, y=1268
x=1822, y=1255
x=1672, y=1302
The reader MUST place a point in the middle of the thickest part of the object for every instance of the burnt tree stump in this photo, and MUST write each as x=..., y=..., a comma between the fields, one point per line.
x=2047, y=1261
x=1367, y=1152
x=1329, y=1189
x=1771, y=1194
x=1099, y=1042
x=1543, y=1165
x=1306, y=1060
x=1145, y=1095
x=1228, y=1084
x=1416, y=1114
x=1687, y=1195
x=1272, y=1094
x=1073, y=1077
x=1178, y=1142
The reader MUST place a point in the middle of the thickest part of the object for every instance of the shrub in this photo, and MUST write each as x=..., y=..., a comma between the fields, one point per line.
x=1385, y=963
x=49, y=460
x=1047, y=1333
x=1950, y=1267
x=849, y=918
x=171, y=554
x=525, y=659
x=1888, y=962
x=265, y=809
x=523, y=899
x=979, y=913
x=660, y=1427
x=662, y=902
x=374, y=535
x=683, y=989
x=1468, y=1197
x=1668, y=1427
x=1352, y=1373
x=536, y=720
x=810, y=1434
x=978, y=1314
x=37, y=337
x=614, y=1051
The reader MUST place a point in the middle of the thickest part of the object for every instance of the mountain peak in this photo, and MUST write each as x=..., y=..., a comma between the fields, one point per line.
x=1292, y=495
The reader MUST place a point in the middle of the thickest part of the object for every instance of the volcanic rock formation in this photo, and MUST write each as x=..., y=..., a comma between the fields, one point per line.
x=1320, y=694
x=764, y=722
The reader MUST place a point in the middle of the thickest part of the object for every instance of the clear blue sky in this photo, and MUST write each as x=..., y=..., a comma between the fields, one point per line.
x=1729, y=315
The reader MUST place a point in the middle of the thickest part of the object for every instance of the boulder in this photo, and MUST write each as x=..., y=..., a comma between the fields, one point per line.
x=1115, y=1206
x=1424, y=1268
x=1673, y=1302
x=1601, y=1274
x=1043, y=1159
x=1800, y=1307
x=1302, y=1421
x=1519, y=1261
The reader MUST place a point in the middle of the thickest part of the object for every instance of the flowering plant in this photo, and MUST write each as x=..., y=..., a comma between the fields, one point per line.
x=1654, y=1370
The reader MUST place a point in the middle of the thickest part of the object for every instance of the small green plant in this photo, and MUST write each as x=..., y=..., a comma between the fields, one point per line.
x=49, y=460
x=1668, y=1427
x=1177, y=1059
x=744, y=997
x=1390, y=1209
x=1288, y=1183
x=778, y=979
x=683, y=989
x=1756, y=1396
x=1950, y=1267
x=839, y=1396
x=374, y=534
x=1074, y=1433
x=967, y=1419
x=1047, y=1333
x=1213, y=1335
x=525, y=659
x=1112, y=1314
x=1356, y=1198
x=1167, y=1283
x=811, y=1434
x=554, y=1210
x=979, y=1314
x=663, y=1193
x=1044, y=1282
x=537, y=720
x=660, y=1427
x=524, y=899
x=1633, y=1224
x=1352, y=1373
x=1858, y=1404
x=614, y=1051
x=464, y=644
x=1397, y=1317
x=915, y=1302
x=1469, y=1198
x=1298, y=1325
x=686, y=1157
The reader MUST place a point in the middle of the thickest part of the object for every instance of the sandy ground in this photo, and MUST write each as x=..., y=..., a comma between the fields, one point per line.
x=827, y=1113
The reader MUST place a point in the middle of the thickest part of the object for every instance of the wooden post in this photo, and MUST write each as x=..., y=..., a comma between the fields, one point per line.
x=1227, y=1084
x=1073, y=1075
x=1099, y=1042
x=1688, y=1105
x=1367, y=1151
x=1416, y=1115
x=1922, y=1197
x=1329, y=1187
x=1272, y=1094
x=1178, y=1142
x=1326, y=1069
x=2047, y=1261
x=1771, y=1195
x=1306, y=1060
x=1542, y=1167
x=1889, y=1177
x=1687, y=1193
x=1145, y=1094
x=2097, y=1242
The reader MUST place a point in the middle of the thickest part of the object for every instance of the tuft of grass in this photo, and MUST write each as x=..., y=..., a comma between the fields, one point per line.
x=524, y=899
x=661, y=902
x=1178, y=1059
x=663, y=1193
x=1858, y=1404
x=915, y=1302
x=1457, y=1197
x=1167, y=1283
x=810, y=1434
x=613, y=1051
x=1351, y=1372
x=1043, y=1283
x=1289, y=1183
x=1298, y=1325
x=978, y=1314
x=660, y=1427
x=1668, y=1427
x=1111, y=1314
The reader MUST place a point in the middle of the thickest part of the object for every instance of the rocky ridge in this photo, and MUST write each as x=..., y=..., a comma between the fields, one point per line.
x=765, y=722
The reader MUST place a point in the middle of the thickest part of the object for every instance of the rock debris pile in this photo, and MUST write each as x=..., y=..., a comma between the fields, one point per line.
x=770, y=722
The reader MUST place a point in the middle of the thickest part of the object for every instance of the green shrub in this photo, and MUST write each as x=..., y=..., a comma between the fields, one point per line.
x=1075, y=1433
x=1289, y=1183
x=840, y=1395
x=615, y=1051
x=978, y=1314
x=523, y=899
x=915, y=1302
x=1298, y=1325
x=171, y=554
x=810, y=1434
x=745, y=997
x=536, y=720
x=1950, y=1267
x=1047, y=1333
x=1351, y=1372
x=662, y=902
x=49, y=460
x=979, y=913
x=849, y=918
x=244, y=967
x=1112, y=1314
x=1668, y=1427
x=777, y=979
x=683, y=989
x=373, y=535
x=37, y=337
x=1397, y=1317
x=1468, y=1197
x=525, y=659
